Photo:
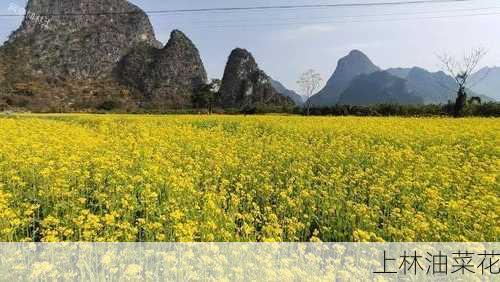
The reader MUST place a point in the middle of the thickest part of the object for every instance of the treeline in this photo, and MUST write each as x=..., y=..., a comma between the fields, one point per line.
x=490, y=109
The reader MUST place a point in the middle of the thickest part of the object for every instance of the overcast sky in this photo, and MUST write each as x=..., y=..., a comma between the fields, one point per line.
x=288, y=42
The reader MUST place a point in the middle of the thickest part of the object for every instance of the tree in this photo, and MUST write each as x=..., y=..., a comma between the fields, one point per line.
x=461, y=71
x=309, y=82
x=206, y=96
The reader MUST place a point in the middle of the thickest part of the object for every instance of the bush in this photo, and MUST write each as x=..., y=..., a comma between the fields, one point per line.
x=109, y=105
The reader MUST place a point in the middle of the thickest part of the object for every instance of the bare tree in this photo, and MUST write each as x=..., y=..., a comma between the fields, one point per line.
x=309, y=82
x=461, y=71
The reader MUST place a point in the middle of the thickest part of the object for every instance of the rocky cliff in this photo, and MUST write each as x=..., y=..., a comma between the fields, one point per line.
x=80, y=38
x=167, y=76
x=245, y=85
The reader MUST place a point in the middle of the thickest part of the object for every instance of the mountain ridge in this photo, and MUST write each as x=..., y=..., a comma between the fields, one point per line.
x=431, y=87
x=487, y=81
x=348, y=67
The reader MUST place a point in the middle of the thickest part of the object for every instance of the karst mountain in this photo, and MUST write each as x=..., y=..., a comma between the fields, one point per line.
x=358, y=81
x=87, y=55
x=245, y=85
x=348, y=68
x=74, y=55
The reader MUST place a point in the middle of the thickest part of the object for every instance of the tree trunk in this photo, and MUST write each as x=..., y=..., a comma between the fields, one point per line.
x=308, y=107
x=460, y=103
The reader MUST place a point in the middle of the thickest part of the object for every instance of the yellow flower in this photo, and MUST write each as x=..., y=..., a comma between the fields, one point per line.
x=260, y=178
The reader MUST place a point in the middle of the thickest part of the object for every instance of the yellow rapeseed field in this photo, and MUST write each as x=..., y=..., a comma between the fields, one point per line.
x=235, y=178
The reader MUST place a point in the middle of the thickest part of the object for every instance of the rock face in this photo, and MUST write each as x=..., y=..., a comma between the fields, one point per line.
x=167, y=75
x=245, y=85
x=349, y=67
x=280, y=88
x=81, y=46
x=79, y=54
x=378, y=88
